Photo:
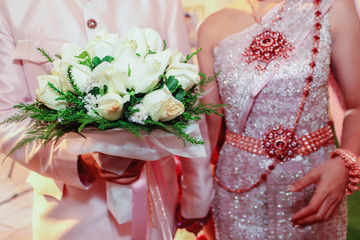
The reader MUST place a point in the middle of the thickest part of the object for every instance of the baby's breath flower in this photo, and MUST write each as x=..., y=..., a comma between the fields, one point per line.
x=139, y=116
x=90, y=104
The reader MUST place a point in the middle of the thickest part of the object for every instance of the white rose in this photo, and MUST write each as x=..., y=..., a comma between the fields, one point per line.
x=126, y=60
x=187, y=74
x=102, y=44
x=81, y=74
x=110, y=106
x=125, y=55
x=146, y=39
x=145, y=75
x=69, y=51
x=162, y=106
x=56, y=67
x=47, y=95
x=177, y=57
x=110, y=75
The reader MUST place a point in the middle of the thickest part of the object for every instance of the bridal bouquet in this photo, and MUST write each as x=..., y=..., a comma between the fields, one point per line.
x=134, y=83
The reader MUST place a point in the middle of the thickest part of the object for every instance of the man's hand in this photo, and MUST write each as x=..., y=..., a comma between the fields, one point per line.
x=193, y=225
x=89, y=170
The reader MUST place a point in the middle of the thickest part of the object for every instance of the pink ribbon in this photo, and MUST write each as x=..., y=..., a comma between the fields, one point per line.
x=140, y=229
x=156, y=184
x=151, y=181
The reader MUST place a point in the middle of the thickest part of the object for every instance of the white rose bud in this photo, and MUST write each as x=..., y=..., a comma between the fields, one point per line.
x=102, y=44
x=187, y=74
x=110, y=106
x=145, y=75
x=146, y=39
x=47, y=95
x=109, y=74
x=162, y=106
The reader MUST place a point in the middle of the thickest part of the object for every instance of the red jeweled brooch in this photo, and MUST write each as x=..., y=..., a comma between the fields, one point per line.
x=266, y=47
x=281, y=144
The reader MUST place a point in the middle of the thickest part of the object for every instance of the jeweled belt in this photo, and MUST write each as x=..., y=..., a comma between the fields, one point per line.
x=281, y=145
x=278, y=142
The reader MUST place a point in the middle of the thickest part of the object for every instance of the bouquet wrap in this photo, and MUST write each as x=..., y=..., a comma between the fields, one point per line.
x=121, y=143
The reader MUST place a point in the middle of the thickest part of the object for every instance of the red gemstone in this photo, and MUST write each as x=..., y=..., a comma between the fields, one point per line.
x=266, y=42
x=279, y=144
x=318, y=26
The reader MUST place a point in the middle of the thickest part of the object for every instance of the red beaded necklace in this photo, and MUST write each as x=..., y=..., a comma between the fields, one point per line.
x=283, y=144
x=268, y=45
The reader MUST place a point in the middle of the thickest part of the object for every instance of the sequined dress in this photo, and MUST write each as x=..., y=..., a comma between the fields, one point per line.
x=265, y=212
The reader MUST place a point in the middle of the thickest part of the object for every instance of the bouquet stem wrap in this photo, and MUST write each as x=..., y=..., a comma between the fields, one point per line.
x=133, y=202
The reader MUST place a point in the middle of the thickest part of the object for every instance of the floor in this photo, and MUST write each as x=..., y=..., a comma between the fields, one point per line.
x=15, y=202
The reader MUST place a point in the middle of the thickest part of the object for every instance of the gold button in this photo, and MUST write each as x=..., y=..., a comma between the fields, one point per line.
x=91, y=23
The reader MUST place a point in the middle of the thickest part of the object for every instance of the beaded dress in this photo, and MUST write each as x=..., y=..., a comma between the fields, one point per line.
x=265, y=211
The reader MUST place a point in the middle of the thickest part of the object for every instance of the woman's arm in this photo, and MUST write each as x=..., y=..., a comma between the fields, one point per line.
x=207, y=41
x=331, y=177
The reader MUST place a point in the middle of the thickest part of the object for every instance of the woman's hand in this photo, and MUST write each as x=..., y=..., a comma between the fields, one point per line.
x=330, y=178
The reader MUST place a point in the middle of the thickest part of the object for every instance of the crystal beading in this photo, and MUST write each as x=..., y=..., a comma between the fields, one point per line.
x=278, y=148
x=351, y=162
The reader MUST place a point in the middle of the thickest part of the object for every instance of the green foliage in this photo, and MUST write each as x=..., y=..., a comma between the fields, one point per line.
x=164, y=45
x=189, y=56
x=335, y=137
x=92, y=63
x=129, y=106
x=46, y=55
x=172, y=83
x=129, y=70
x=99, y=91
x=354, y=216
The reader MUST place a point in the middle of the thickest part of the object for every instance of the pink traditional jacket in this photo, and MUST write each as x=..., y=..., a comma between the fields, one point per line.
x=63, y=207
